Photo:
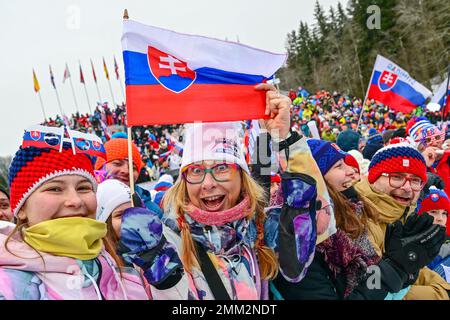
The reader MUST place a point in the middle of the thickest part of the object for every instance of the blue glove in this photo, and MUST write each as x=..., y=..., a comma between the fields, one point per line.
x=297, y=225
x=142, y=243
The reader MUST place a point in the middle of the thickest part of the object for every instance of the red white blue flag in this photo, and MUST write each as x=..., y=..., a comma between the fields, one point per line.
x=394, y=87
x=442, y=96
x=53, y=137
x=177, y=78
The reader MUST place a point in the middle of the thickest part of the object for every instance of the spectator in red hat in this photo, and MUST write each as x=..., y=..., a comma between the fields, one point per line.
x=397, y=174
x=116, y=162
x=57, y=242
x=437, y=204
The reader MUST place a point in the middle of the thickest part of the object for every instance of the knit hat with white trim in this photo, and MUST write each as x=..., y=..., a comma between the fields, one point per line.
x=31, y=167
x=397, y=158
x=218, y=141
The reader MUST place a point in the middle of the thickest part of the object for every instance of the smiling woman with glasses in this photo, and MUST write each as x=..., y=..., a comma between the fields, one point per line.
x=217, y=239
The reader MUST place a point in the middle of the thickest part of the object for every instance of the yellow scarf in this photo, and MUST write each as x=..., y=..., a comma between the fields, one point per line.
x=74, y=237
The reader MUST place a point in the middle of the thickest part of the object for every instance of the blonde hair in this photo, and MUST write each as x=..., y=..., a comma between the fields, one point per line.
x=177, y=199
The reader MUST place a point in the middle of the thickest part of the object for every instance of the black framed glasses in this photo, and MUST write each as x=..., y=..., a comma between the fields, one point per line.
x=397, y=181
x=222, y=172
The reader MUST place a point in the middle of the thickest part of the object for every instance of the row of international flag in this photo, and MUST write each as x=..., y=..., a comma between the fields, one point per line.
x=67, y=74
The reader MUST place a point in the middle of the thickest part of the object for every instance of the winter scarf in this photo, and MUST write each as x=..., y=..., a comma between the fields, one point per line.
x=348, y=257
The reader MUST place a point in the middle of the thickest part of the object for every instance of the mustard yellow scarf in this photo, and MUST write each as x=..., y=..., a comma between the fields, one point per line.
x=74, y=237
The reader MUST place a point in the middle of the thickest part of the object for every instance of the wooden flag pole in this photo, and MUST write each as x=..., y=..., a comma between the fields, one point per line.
x=365, y=98
x=129, y=135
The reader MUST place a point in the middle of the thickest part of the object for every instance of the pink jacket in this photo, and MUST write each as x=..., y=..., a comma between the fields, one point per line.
x=24, y=276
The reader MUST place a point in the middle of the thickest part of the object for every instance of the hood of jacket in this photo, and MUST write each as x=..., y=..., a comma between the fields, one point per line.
x=389, y=209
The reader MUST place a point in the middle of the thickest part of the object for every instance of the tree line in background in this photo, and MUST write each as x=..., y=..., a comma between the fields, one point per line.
x=338, y=51
x=4, y=167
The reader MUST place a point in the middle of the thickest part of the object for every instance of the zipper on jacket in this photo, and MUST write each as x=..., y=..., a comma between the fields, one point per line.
x=100, y=270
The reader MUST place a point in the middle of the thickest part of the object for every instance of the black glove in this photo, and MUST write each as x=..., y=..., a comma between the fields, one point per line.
x=413, y=246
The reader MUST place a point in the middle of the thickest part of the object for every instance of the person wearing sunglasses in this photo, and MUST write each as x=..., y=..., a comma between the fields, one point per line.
x=397, y=174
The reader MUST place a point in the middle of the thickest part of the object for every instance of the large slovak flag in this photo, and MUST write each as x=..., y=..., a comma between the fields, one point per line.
x=177, y=78
x=394, y=87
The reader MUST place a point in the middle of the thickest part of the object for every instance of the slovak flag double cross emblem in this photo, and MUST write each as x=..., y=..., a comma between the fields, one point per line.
x=35, y=135
x=171, y=72
x=387, y=80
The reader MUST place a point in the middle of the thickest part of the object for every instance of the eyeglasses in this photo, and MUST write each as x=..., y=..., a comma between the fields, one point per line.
x=398, y=181
x=222, y=172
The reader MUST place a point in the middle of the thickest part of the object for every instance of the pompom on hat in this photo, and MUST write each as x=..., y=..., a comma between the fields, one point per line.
x=217, y=141
x=435, y=200
x=117, y=149
x=31, y=167
x=397, y=158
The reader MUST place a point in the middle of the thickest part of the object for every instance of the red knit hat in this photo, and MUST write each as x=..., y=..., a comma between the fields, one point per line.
x=399, y=157
x=435, y=200
x=117, y=149
x=32, y=166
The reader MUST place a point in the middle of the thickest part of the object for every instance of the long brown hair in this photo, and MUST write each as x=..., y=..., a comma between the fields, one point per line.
x=346, y=218
x=111, y=241
x=177, y=199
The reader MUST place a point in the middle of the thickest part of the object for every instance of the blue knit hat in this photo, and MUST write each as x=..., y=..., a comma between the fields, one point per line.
x=374, y=137
x=348, y=140
x=325, y=153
